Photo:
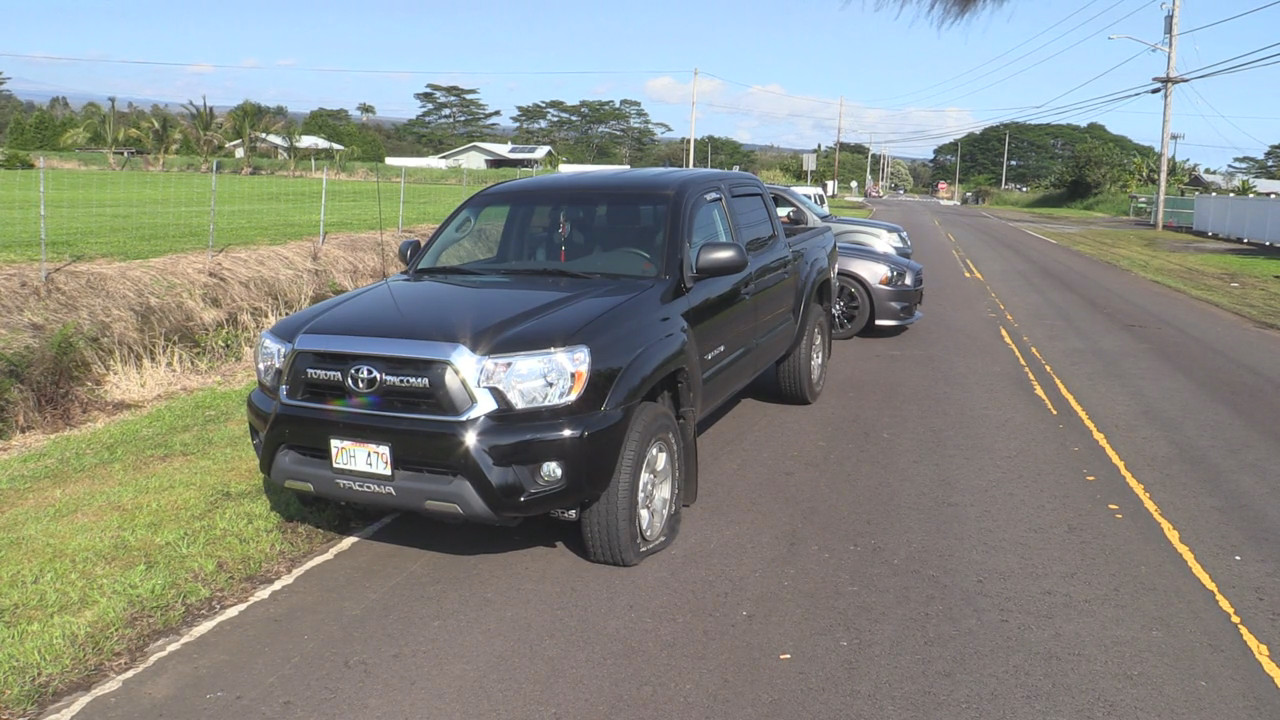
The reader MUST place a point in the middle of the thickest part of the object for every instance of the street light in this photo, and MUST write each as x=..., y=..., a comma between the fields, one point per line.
x=1153, y=46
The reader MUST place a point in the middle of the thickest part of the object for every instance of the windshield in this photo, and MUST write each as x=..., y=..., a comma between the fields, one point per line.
x=812, y=206
x=563, y=234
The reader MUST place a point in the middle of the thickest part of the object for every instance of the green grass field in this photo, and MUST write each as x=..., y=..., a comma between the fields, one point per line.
x=113, y=536
x=131, y=215
x=1237, y=278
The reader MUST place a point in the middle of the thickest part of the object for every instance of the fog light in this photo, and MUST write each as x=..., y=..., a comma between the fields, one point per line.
x=550, y=473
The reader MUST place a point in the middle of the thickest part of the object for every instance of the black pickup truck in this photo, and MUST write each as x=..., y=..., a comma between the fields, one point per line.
x=549, y=350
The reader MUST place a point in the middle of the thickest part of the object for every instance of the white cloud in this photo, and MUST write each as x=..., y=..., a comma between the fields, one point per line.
x=769, y=114
x=200, y=69
x=286, y=62
x=250, y=63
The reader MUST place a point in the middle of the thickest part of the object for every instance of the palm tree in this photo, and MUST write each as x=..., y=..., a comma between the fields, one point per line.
x=1245, y=187
x=203, y=128
x=247, y=121
x=101, y=126
x=366, y=111
x=160, y=133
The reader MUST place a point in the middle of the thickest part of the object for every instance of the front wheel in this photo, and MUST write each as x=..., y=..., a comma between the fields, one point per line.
x=639, y=513
x=851, y=309
x=803, y=372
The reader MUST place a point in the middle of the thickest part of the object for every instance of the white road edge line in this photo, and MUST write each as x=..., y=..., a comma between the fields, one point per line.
x=114, y=683
x=1055, y=242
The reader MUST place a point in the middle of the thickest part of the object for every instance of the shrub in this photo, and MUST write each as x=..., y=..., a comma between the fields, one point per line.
x=13, y=159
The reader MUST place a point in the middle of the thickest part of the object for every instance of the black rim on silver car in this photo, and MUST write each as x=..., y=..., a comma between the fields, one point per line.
x=657, y=484
x=848, y=311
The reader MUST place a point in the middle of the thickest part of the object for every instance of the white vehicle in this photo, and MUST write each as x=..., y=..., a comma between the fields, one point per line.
x=813, y=194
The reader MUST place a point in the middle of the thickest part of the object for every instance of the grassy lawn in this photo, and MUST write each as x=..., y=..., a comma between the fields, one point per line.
x=1068, y=212
x=131, y=215
x=1240, y=278
x=113, y=536
x=849, y=208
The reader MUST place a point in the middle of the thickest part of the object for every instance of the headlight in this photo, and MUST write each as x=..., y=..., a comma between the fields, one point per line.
x=269, y=359
x=538, y=379
x=894, y=276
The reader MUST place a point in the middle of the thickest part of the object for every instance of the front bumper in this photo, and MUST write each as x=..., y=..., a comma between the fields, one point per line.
x=897, y=306
x=481, y=469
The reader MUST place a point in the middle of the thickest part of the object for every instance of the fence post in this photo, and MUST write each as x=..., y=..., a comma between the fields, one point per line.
x=213, y=206
x=400, y=223
x=44, y=271
x=464, y=182
x=324, y=194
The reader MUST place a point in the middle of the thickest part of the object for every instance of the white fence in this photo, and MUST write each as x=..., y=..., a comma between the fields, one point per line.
x=1249, y=218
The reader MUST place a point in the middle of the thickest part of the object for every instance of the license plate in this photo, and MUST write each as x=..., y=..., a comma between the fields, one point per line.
x=360, y=457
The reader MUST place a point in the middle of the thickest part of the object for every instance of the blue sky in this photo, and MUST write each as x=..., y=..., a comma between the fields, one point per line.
x=770, y=72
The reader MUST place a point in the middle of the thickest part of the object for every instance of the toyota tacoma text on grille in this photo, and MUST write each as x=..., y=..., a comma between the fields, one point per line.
x=549, y=350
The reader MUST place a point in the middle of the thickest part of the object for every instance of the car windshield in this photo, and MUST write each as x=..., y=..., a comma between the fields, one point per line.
x=561, y=234
x=812, y=206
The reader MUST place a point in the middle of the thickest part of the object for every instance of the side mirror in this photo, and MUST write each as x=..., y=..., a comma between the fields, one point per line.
x=720, y=258
x=796, y=217
x=408, y=249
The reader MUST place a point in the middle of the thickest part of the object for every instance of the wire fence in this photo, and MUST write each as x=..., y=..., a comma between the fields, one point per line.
x=52, y=215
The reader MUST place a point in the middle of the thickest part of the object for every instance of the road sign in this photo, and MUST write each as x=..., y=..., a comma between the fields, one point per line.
x=809, y=161
x=942, y=185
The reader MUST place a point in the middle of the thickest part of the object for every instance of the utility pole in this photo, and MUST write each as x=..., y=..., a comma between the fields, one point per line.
x=835, y=174
x=1169, y=80
x=955, y=189
x=693, y=116
x=871, y=141
x=1004, y=166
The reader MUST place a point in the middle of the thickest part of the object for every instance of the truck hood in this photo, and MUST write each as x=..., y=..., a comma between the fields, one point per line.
x=864, y=222
x=487, y=314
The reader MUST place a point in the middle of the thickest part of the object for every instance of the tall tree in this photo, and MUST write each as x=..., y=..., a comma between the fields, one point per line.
x=101, y=126
x=247, y=121
x=366, y=111
x=203, y=129
x=1266, y=167
x=637, y=132
x=160, y=133
x=451, y=115
x=9, y=106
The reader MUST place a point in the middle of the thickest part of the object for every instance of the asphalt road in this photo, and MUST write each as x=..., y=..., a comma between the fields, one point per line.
x=933, y=539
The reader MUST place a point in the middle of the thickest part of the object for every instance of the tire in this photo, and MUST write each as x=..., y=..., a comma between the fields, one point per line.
x=851, y=310
x=639, y=513
x=803, y=372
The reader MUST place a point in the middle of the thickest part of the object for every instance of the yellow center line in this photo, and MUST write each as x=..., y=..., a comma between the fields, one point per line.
x=963, y=269
x=1259, y=649
x=1035, y=384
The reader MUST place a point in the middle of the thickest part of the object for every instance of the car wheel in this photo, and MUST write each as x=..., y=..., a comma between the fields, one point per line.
x=851, y=310
x=803, y=372
x=639, y=513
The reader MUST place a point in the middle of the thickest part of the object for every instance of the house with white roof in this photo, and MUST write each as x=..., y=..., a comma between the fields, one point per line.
x=482, y=155
x=281, y=146
x=1211, y=182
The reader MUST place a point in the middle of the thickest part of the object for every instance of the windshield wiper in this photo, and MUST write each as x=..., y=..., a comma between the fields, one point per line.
x=449, y=270
x=561, y=272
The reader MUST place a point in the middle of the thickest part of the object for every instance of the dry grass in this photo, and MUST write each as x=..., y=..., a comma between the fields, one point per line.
x=131, y=332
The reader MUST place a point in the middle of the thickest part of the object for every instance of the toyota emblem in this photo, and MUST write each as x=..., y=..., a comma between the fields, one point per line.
x=363, y=378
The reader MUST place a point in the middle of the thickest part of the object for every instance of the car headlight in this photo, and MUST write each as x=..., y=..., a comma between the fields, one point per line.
x=893, y=277
x=538, y=379
x=268, y=358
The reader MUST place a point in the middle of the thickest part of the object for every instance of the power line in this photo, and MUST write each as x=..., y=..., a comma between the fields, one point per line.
x=353, y=71
x=1209, y=105
x=1050, y=57
x=1230, y=59
x=1233, y=17
x=997, y=57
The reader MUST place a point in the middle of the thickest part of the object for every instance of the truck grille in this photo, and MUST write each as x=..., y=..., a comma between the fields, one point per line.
x=403, y=386
x=919, y=281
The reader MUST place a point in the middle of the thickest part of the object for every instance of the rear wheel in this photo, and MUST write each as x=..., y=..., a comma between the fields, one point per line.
x=851, y=309
x=803, y=372
x=639, y=513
